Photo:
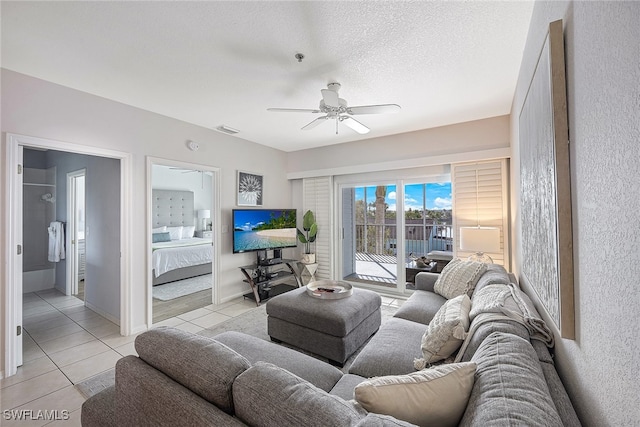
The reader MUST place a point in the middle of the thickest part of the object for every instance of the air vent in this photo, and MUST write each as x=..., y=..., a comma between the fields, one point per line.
x=227, y=129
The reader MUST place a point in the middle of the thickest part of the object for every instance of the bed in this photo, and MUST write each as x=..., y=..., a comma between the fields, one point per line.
x=176, y=253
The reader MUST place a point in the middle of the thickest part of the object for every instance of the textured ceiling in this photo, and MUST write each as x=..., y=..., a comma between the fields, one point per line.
x=214, y=63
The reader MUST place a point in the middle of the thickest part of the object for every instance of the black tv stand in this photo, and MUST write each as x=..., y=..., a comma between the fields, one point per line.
x=266, y=283
x=263, y=260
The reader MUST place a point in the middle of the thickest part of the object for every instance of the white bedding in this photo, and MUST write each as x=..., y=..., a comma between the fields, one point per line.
x=176, y=254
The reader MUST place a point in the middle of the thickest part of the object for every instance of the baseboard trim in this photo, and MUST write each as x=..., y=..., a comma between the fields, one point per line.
x=102, y=313
x=232, y=297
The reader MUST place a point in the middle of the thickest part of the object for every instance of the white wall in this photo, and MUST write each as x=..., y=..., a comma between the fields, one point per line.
x=38, y=108
x=102, y=226
x=602, y=44
x=479, y=135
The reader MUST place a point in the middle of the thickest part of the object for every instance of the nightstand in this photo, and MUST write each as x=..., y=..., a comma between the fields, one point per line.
x=204, y=234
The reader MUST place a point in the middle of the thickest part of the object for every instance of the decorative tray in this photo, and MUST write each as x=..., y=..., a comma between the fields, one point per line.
x=329, y=289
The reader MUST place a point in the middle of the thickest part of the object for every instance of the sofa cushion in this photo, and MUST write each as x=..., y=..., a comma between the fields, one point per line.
x=317, y=372
x=446, y=332
x=206, y=367
x=391, y=351
x=459, y=277
x=266, y=395
x=510, y=388
x=379, y=420
x=344, y=388
x=495, y=274
x=436, y=396
x=421, y=307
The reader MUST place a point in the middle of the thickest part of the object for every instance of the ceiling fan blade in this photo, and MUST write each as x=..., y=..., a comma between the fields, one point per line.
x=315, y=123
x=330, y=98
x=374, y=109
x=354, y=124
x=293, y=110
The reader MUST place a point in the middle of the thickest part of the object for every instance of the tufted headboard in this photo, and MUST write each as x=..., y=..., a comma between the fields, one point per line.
x=172, y=208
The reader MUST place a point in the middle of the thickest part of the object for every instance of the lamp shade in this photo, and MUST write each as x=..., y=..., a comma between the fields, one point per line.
x=480, y=239
x=204, y=213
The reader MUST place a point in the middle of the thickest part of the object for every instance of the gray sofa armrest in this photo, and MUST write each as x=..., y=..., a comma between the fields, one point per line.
x=100, y=409
x=147, y=397
x=425, y=281
x=204, y=366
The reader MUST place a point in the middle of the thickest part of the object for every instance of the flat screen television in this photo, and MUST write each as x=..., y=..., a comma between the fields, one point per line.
x=263, y=229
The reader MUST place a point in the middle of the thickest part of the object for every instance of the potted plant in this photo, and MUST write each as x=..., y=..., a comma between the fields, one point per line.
x=308, y=236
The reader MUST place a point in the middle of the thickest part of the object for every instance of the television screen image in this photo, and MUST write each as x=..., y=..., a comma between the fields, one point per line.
x=263, y=229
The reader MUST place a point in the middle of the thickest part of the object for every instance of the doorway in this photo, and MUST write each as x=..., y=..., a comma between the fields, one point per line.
x=15, y=145
x=192, y=285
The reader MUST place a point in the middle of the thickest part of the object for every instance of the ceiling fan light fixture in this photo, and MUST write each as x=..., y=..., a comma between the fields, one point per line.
x=226, y=129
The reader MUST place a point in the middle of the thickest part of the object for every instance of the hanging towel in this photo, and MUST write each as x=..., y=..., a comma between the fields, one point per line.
x=56, y=241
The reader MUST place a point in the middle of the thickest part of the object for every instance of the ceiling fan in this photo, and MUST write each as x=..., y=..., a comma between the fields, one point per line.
x=336, y=108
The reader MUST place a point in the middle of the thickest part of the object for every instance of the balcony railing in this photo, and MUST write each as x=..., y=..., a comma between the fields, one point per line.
x=420, y=239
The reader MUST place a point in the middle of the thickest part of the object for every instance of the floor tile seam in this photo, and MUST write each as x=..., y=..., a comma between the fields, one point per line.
x=35, y=376
x=44, y=395
x=83, y=359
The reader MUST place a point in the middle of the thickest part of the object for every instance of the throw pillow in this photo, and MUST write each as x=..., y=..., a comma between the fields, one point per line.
x=188, y=231
x=176, y=232
x=437, y=396
x=159, y=229
x=459, y=277
x=160, y=237
x=447, y=330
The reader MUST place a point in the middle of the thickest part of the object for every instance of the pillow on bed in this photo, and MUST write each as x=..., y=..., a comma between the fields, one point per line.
x=161, y=237
x=159, y=229
x=188, y=231
x=175, y=232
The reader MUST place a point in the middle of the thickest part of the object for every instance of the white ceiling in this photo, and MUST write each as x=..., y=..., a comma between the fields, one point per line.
x=213, y=63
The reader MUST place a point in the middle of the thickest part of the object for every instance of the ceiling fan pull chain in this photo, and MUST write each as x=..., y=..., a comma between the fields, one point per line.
x=337, y=125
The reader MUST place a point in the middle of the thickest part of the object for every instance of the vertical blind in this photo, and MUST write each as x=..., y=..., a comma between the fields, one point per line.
x=480, y=197
x=317, y=197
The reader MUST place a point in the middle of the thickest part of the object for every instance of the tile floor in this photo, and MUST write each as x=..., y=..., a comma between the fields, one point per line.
x=66, y=343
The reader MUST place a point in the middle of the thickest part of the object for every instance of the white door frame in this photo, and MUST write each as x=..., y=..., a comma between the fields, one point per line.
x=72, y=238
x=12, y=277
x=216, y=222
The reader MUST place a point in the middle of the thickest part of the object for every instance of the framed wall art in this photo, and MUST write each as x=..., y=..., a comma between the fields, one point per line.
x=249, y=189
x=545, y=188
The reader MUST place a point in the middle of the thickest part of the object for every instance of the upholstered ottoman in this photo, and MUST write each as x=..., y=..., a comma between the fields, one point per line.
x=334, y=329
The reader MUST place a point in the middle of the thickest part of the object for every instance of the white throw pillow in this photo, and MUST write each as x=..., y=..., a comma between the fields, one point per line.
x=446, y=332
x=459, y=277
x=159, y=229
x=436, y=397
x=175, y=232
x=188, y=231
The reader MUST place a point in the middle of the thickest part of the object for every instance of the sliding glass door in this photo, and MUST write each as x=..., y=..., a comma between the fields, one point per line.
x=379, y=247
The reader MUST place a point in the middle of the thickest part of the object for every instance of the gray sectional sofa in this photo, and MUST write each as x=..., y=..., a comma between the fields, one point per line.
x=235, y=379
